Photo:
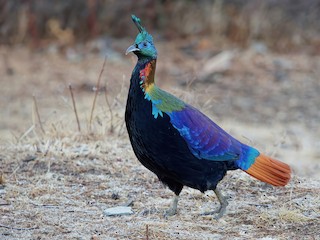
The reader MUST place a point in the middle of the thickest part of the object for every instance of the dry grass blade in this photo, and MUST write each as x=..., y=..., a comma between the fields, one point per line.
x=74, y=107
x=110, y=110
x=96, y=92
x=37, y=112
x=29, y=130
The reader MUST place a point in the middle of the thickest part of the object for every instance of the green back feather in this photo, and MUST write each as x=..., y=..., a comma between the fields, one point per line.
x=164, y=101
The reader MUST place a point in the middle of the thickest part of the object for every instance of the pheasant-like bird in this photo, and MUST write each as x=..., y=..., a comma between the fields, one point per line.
x=181, y=145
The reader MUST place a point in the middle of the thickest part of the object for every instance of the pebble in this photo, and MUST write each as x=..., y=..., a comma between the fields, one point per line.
x=116, y=211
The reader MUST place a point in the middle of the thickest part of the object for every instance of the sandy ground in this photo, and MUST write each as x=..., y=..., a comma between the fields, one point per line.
x=56, y=183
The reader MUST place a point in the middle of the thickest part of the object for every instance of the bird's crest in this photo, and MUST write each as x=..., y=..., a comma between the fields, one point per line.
x=143, y=35
x=137, y=22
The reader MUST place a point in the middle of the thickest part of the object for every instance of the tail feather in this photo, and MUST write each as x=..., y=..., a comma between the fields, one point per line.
x=270, y=170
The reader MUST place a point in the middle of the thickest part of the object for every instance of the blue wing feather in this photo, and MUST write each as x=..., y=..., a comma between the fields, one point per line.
x=206, y=140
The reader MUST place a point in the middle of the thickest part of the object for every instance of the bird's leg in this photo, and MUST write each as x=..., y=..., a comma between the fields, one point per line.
x=223, y=205
x=173, y=208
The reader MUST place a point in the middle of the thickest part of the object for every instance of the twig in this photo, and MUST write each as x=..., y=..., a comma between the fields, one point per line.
x=1, y=179
x=259, y=205
x=45, y=205
x=110, y=110
x=5, y=204
x=121, y=127
x=147, y=232
x=119, y=95
x=20, y=229
x=74, y=107
x=47, y=148
x=96, y=93
x=37, y=112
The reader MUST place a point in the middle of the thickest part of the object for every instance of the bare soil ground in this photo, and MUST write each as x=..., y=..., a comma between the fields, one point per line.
x=56, y=183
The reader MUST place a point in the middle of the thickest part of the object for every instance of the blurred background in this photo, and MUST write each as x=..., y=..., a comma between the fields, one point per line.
x=281, y=25
x=253, y=66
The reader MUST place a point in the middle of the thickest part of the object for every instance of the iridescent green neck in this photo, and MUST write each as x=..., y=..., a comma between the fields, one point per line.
x=162, y=102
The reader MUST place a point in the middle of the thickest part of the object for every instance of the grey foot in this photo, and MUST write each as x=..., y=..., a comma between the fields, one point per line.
x=223, y=206
x=220, y=212
x=170, y=212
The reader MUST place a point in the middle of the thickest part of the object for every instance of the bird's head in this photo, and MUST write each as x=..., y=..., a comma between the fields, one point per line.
x=143, y=45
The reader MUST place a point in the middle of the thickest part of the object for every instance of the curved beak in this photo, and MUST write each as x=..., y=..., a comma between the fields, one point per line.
x=132, y=48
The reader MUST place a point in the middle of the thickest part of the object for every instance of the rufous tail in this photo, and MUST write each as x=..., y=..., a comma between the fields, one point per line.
x=270, y=170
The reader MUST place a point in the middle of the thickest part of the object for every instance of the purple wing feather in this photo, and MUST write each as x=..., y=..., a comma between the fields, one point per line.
x=206, y=140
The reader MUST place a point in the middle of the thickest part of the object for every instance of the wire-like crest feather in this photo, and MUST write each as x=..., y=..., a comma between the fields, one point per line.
x=137, y=22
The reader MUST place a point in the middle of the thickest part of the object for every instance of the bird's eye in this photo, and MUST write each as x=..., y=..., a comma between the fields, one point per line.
x=145, y=44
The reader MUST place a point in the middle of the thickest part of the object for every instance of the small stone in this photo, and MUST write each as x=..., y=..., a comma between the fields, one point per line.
x=29, y=158
x=94, y=237
x=116, y=211
x=115, y=196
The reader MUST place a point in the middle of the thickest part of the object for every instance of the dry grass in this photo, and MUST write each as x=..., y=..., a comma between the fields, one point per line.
x=56, y=184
